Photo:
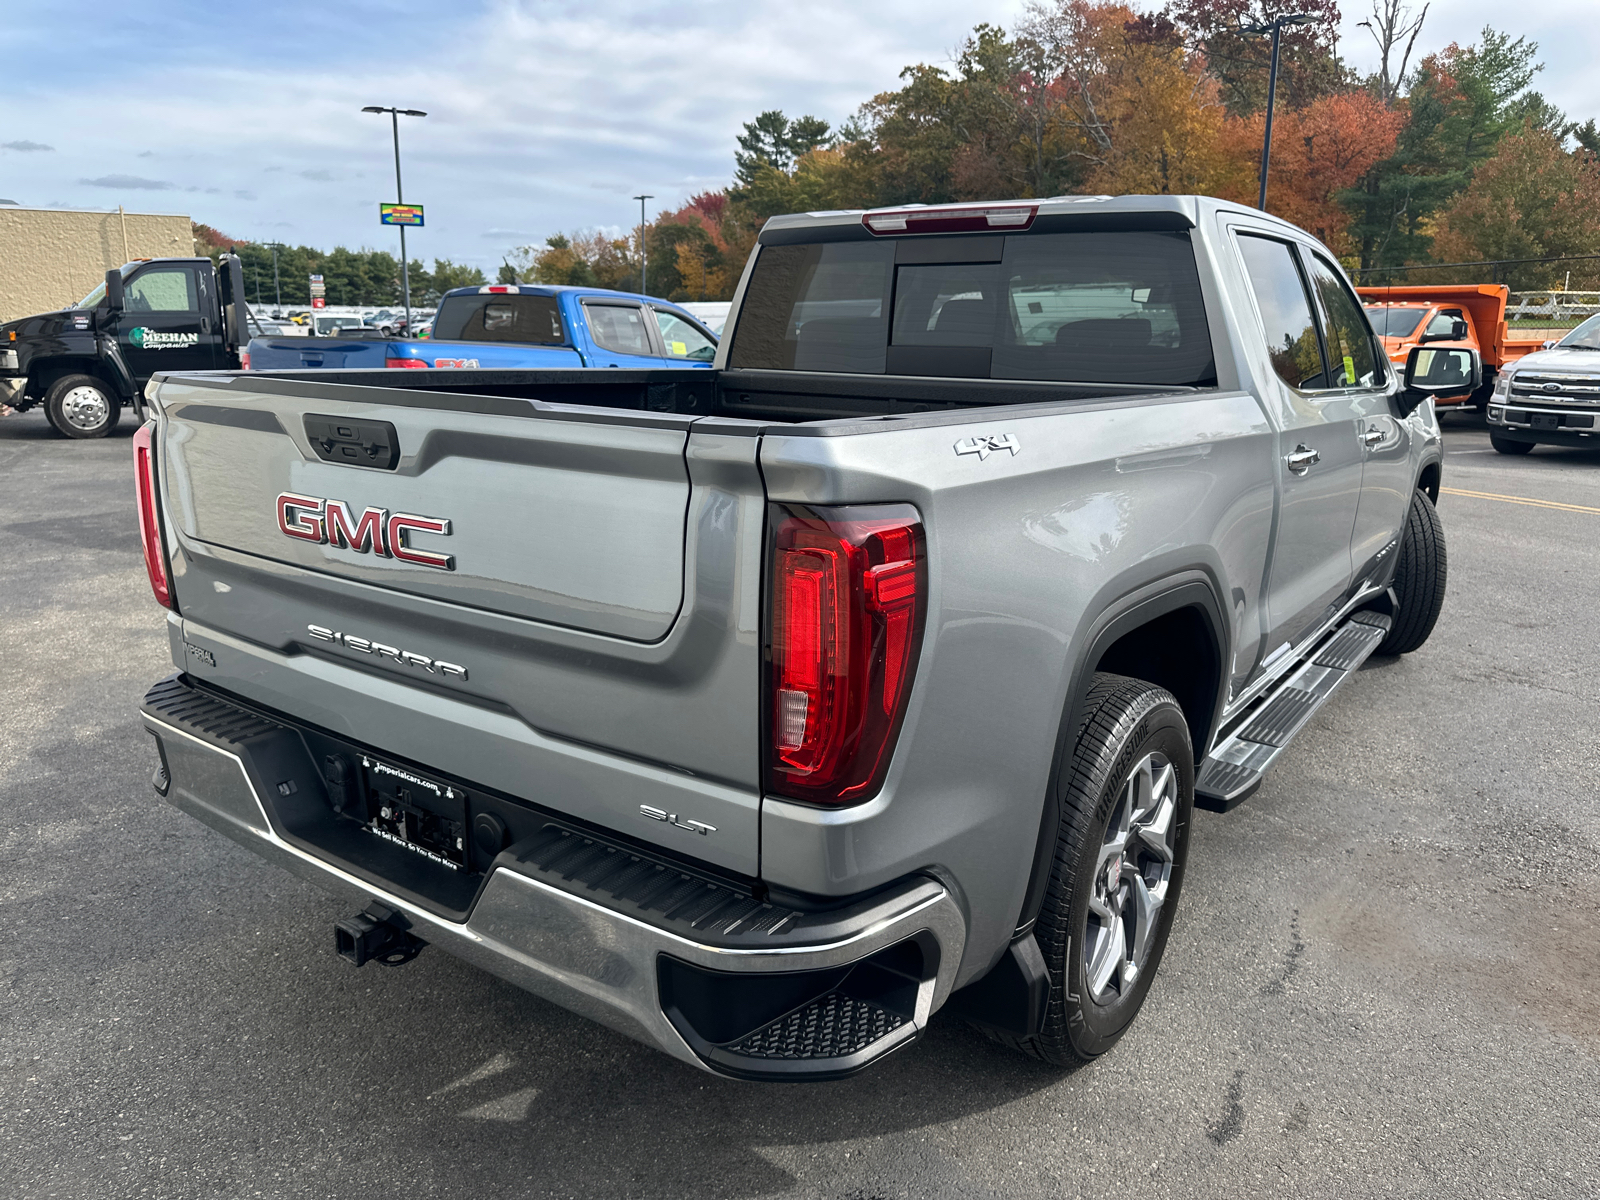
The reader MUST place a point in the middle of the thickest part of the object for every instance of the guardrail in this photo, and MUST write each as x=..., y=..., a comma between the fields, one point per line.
x=1557, y=305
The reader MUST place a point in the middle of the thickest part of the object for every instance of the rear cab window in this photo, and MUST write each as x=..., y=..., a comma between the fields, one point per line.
x=500, y=317
x=1109, y=307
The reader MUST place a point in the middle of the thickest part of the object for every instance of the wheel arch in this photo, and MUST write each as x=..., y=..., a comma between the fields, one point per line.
x=1171, y=633
x=1430, y=478
x=44, y=375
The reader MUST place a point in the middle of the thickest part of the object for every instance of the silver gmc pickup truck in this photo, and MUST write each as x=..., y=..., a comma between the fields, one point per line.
x=762, y=712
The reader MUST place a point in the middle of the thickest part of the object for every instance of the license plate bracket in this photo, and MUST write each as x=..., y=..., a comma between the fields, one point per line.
x=1546, y=421
x=424, y=815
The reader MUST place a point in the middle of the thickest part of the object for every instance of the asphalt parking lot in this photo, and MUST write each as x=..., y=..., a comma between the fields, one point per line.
x=1384, y=979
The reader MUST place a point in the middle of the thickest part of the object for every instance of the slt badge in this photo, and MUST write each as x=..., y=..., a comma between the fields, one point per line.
x=989, y=444
x=661, y=814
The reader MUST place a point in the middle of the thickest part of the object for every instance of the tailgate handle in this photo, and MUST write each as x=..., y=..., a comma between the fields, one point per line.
x=353, y=443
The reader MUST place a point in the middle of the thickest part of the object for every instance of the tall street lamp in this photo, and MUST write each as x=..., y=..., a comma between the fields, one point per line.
x=1275, y=28
x=399, y=198
x=277, y=288
x=644, y=256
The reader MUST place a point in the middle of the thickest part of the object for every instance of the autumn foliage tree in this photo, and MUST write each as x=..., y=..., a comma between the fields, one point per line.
x=1101, y=96
x=1533, y=199
x=1319, y=153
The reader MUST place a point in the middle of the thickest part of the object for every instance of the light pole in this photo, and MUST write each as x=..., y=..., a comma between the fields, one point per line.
x=1275, y=28
x=399, y=198
x=277, y=289
x=644, y=256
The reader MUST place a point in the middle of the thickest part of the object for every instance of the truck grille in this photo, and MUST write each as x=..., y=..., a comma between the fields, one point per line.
x=1558, y=391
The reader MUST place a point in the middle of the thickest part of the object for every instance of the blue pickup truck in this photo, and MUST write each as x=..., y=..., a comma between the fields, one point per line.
x=516, y=325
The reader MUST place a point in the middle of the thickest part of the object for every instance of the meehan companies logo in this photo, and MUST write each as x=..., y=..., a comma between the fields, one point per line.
x=157, y=339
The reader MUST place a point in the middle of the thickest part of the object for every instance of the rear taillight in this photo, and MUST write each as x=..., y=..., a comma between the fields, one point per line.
x=848, y=593
x=244, y=360
x=155, y=554
x=408, y=363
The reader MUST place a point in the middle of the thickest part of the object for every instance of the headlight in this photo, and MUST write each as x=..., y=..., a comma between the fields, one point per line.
x=1502, y=386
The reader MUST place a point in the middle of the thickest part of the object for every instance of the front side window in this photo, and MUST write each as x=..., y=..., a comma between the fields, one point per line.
x=1351, y=359
x=684, y=340
x=1112, y=307
x=162, y=289
x=619, y=328
x=500, y=317
x=1444, y=324
x=1286, y=317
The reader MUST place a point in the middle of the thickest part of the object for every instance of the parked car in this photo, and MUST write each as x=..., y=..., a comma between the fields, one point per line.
x=515, y=325
x=1550, y=397
x=762, y=712
x=85, y=364
x=1471, y=315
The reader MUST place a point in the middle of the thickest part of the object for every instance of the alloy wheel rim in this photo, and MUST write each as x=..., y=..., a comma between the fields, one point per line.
x=1132, y=875
x=85, y=408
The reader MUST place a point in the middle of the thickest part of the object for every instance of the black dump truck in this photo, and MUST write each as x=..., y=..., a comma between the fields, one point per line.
x=86, y=363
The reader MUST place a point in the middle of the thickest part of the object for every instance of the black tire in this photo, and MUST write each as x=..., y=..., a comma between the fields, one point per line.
x=82, y=406
x=1419, y=578
x=1507, y=445
x=1127, y=723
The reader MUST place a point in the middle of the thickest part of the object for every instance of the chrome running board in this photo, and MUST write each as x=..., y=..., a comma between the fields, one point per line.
x=1234, y=770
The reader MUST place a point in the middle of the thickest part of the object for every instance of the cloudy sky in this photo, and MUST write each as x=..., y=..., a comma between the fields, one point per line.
x=543, y=115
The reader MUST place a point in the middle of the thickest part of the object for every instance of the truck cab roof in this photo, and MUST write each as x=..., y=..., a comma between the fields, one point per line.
x=1179, y=212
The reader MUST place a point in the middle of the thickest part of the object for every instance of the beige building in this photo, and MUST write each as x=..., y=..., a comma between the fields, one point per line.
x=52, y=257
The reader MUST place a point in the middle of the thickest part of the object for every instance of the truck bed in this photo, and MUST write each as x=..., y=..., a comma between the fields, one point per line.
x=778, y=397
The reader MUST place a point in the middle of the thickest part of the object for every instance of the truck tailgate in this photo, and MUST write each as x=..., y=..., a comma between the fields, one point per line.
x=526, y=561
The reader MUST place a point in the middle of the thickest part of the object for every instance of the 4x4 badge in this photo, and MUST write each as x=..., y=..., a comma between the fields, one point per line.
x=991, y=444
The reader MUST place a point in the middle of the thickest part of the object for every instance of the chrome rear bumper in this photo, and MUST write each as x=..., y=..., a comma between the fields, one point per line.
x=527, y=925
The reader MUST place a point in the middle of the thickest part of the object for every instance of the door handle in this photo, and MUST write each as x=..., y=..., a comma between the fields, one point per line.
x=1302, y=458
x=1372, y=436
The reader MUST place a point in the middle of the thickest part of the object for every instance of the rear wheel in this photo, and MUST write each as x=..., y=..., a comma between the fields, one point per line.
x=1120, y=852
x=1419, y=578
x=1507, y=445
x=81, y=406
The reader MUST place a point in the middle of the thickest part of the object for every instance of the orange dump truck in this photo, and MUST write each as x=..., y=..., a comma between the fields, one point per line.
x=1448, y=315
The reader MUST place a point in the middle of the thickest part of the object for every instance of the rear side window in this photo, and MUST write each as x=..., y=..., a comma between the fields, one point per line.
x=529, y=320
x=1079, y=307
x=619, y=328
x=1285, y=311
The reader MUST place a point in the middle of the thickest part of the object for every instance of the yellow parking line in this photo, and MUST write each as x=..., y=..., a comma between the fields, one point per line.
x=1520, y=500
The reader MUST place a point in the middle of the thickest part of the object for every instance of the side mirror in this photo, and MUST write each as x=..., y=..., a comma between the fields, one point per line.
x=114, y=301
x=1438, y=373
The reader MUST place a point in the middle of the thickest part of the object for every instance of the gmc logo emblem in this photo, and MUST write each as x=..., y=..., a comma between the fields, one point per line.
x=375, y=531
